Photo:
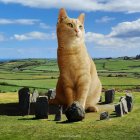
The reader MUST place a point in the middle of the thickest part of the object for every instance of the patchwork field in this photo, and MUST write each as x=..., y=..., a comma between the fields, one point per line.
x=42, y=74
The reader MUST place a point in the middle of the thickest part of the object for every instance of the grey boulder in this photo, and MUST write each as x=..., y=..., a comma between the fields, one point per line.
x=75, y=112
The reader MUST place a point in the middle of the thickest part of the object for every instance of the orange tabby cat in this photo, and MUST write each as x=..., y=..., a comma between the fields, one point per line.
x=78, y=79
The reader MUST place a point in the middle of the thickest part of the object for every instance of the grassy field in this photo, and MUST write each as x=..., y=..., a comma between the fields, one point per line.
x=91, y=128
x=42, y=74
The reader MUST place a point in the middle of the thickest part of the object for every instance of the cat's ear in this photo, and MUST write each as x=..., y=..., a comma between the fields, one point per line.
x=81, y=18
x=62, y=14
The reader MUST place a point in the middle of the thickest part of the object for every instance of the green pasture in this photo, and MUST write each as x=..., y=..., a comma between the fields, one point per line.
x=91, y=128
x=43, y=73
x=46, y=83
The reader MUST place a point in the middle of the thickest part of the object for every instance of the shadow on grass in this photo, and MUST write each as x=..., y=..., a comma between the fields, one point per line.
x=101, y=103
x=9, y=109
x=104, y=103
x=27, y=119
x=33, y=118
x=12, y=109
x=66, y=122
x=112, y=115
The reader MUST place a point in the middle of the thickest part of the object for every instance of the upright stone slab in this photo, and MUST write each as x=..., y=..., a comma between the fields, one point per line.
x=119, y=110
x=41, y=107
x=51, y=93
x=129, y=100
x=58, y=113
x=35, y=95
x=109, y=96
x=24, y=101
x=124, y=105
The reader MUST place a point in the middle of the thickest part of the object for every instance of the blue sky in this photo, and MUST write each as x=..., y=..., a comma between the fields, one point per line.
x=28, y=28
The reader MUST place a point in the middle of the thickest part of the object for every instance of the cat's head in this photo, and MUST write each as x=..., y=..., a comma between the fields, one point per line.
x=70, y=28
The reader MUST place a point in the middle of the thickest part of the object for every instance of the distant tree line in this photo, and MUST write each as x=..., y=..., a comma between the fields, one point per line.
x=138, y=56
x=128, y=58
x=122, y=57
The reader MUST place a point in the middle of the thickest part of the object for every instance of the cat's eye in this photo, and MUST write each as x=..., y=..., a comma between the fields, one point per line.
x=80, y=26
x=70, y=25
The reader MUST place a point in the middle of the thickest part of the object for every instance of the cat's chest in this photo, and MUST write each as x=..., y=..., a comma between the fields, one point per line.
x=74, y=65
x=73, y=71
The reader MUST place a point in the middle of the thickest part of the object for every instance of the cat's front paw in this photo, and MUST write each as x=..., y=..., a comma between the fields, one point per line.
x=92, y=109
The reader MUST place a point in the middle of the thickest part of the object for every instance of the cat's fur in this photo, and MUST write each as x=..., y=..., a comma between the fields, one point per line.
x=78, y=79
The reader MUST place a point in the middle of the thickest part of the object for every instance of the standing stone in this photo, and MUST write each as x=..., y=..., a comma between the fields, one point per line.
x=119, y=110
x=104, y=115
x=35, y=95
x=124, y=105
x=58, y=113
x=51, y=93
x=129, y=100
x=24, y=100
x=41, y=107
x=109, y=96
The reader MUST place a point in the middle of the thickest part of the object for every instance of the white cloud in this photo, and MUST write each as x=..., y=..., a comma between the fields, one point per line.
x=44, y=26
x=34, y=35
x=88, y=5
x=104, y=41
x=126, y=29
x=18, y=21
x=104, y=19
x=125, y=35
x=39, y=23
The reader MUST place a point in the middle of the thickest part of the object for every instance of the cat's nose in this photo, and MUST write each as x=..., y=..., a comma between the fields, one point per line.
x=76, y=30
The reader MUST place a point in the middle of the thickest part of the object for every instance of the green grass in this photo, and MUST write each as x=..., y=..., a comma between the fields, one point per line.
x=45, y=83
x=48, y=67
x=43, y=73
x=120, y=82
x=116, y=128
x=113, y=82
x=123, y=65
x=6, y=88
